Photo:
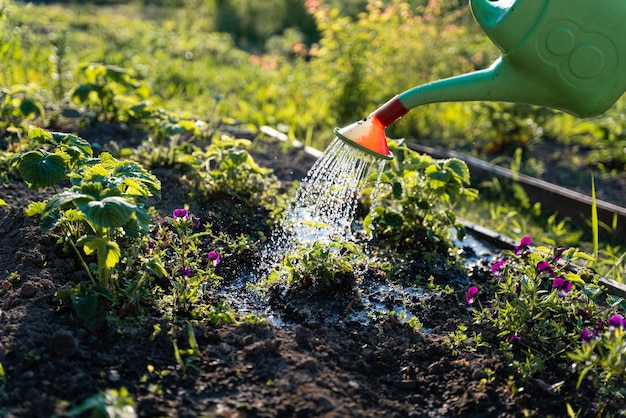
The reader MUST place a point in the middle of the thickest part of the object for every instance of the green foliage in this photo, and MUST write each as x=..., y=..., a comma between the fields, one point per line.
x=252, y=23
x=107, y=91
x=105, y=202
x=601, y=362
x=547, y=309
x=416, y=195
x=186, y=358
x=327, y=265
x=189, y=267
x=226, y=166
x=91, y=303
x=112, y=403
x=18, y=105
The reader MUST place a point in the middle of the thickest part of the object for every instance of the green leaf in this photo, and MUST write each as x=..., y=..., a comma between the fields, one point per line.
x=35, y=208
x=41, y=169
x=108, y=251
x=91, y=243
x=30, y=107
x=103, y=291
x=39, y=135
x=438, y=179
x=155, y=266
x=113, y=254
x=459, y=168
x=50, y=219
x=62, y=199
x=110, y=212
x=73, y=145
x=81, y=93
x=238, y=156
x=85, y=305
x=3, y=203
x=137, y=179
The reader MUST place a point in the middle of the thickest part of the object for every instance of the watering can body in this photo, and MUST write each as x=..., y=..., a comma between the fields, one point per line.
x=564, y=54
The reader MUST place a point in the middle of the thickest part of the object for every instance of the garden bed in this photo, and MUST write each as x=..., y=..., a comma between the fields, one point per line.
x=353, y=353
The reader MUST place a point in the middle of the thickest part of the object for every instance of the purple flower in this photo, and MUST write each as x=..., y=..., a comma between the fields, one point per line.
x=469, y=295
x=214, y=257
x=523, y=245
x=180, y=213
x=586, y=335
x=150, y=245
x=561, y=284
x=617, y=321
x=545, y=269
x=497, y=267
x=515, y=338
x=185, y=271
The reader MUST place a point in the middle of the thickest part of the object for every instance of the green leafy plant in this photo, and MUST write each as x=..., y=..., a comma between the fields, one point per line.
x=108, y=91
x=190, y=271
x=548, y=308
x=186, y=358
x=328, y=265
x=415, y=198
x=19, y=104
x=540, y=304
x=112, y=403
x=104, y=203
x=226, y=166
x=600, y=361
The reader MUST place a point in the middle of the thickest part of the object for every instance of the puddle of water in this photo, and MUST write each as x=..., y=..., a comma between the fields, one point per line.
x=323, y=210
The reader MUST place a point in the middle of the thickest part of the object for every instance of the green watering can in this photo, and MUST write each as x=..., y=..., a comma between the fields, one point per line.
x=564, y=54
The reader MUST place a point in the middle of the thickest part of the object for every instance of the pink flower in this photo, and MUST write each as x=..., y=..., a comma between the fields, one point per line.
x=617, y=321
x=497, y=267
x=523, y=245
x=545, y=269
x=180, y=213
x=561, y=284
x=469, y=295
x=214, y=258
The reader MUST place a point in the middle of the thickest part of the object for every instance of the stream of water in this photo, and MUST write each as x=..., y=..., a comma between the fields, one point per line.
x=325, y=203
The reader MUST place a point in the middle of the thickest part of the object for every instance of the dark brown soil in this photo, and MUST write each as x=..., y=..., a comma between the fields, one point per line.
x=317, y=359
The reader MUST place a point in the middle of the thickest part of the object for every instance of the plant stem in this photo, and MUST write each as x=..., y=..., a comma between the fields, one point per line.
x=80, y=256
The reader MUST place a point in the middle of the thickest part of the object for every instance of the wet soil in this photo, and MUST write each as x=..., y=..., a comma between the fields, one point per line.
x=317, y=357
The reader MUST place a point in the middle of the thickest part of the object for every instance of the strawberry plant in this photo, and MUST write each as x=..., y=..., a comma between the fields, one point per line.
x=415, y=198
x=104, y=202
x=108, y=91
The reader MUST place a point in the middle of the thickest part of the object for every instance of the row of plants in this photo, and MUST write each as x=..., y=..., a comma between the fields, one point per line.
x=544, y=308
x=139, y=262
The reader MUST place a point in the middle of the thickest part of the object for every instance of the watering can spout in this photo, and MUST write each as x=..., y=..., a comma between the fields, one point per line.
x=564, y=54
